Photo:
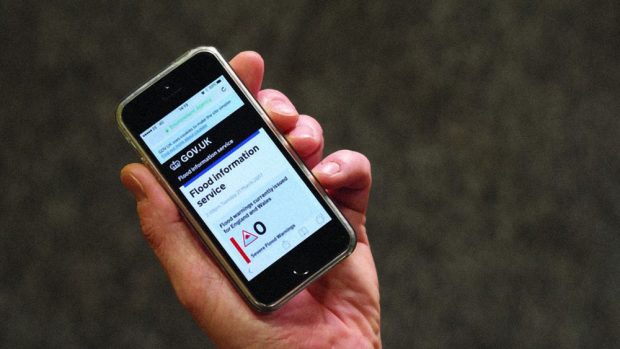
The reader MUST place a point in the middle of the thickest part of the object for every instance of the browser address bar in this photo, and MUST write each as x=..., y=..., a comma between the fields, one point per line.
x=189, y=114
x=192, y=119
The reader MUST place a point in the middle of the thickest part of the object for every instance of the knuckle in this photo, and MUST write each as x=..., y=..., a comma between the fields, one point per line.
x=151, y=235
x=150, y=228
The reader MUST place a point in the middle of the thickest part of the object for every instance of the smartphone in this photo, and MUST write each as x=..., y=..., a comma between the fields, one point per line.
x=237, y=181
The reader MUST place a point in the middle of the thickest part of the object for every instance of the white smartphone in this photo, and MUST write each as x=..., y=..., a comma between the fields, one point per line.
x=237, y=181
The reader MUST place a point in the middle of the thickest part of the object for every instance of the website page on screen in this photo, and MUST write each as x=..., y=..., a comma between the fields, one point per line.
x=239, y=183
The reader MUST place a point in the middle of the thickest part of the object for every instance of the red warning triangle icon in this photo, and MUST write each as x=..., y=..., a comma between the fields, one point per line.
x=248, y=238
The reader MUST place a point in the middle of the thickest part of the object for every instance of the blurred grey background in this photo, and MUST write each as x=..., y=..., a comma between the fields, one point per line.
x=493, y=128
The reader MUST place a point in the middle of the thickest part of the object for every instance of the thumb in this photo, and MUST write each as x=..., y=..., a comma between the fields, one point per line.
x=192, y=272
x=156, y=209
x=132, y=184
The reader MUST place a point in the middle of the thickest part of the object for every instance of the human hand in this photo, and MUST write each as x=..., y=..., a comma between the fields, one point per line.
x=340, y=309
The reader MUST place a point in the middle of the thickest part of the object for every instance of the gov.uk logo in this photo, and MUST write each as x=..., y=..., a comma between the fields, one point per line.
x=175, y=164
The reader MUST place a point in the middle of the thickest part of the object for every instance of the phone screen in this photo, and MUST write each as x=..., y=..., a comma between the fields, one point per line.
x=237, y=180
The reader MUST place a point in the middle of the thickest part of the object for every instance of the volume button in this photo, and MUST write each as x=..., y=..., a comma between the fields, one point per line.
x=137, y=150
x=151, y=168
x=130, y=141
x=149, y=165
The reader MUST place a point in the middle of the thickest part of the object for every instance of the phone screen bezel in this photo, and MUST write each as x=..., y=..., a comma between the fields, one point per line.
x=304, y=263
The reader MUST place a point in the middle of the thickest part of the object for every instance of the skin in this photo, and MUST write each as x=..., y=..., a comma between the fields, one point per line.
x=340, y=310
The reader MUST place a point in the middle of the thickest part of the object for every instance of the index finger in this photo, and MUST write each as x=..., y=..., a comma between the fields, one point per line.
x=250, y=68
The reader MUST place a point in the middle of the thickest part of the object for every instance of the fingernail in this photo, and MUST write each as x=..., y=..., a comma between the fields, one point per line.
x=302, y=131
x=329, y=168
x=134, y=186
x=281, y=107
